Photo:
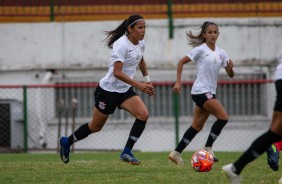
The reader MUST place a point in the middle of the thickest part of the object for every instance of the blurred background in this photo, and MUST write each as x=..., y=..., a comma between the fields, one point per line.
x=52, y=56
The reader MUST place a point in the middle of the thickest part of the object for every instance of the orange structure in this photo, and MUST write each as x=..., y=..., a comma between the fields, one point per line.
x=88, y=10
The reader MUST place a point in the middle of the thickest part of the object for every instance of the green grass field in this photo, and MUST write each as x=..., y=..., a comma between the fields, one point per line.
x=105, y=167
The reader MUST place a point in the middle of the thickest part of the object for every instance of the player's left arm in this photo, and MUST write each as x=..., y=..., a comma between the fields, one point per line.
x=144, y=71
x=143, y=67
x=229, y=69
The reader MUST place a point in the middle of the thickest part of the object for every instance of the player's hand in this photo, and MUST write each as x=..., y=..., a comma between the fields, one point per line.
x=147, y=88
x=176, y=88
x=229, y=64
x=152, y=92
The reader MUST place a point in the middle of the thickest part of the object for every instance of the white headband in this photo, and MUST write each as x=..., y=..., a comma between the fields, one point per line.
x=134, y=22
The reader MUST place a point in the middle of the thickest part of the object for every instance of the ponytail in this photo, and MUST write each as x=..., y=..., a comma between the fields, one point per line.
x=115, y=34
x=196, y=40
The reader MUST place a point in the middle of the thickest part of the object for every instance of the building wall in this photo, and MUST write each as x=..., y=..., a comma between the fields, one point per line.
x=78, y=45
x=76, y=50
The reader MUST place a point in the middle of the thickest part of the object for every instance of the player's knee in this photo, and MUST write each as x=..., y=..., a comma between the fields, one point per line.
x=223, y=116
x=144, y=115
x=198, y=127
x=95, y=127
x=224, y=119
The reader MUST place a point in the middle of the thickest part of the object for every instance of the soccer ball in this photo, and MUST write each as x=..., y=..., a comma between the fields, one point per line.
x=202, y=161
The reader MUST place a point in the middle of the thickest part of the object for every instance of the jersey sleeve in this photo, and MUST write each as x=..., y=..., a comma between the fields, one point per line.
x=118, y=53
x=195, y=53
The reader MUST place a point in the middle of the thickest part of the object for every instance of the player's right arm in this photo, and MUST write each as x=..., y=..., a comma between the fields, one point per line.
x=177, y=86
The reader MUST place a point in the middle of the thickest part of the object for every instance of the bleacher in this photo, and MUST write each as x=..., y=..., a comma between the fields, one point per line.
x=93, y=10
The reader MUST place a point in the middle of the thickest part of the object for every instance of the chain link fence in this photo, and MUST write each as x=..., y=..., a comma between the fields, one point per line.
x=33, y=117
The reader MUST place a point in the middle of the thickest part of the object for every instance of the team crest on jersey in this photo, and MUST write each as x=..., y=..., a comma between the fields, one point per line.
x=209, y=95
x=102, y=105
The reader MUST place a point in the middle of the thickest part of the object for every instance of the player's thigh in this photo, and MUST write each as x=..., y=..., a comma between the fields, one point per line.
x=214, y=107
x=200, y=116
x=98, y=120
x=136, y=107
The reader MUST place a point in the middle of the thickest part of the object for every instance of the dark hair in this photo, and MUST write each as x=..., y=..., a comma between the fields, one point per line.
x=115, y=34
x=196, y=40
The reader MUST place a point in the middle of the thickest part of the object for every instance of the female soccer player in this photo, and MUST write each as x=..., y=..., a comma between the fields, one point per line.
x=116, y=88
x=260, y=145
x=209, y=58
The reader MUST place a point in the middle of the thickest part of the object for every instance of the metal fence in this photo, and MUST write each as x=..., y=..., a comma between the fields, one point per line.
x=88, y=10
x=34, y=116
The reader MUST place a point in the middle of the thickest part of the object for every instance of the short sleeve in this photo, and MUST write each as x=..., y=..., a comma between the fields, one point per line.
x=119, y=52
x=195, y=53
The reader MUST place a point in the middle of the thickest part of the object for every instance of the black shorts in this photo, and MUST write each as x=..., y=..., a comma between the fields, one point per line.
x=200, y=99
x=278, y=102
x=107, y=102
